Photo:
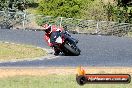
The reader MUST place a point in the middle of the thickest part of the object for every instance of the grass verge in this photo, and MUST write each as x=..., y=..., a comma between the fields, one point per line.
x=55, y=77
x=9, y=51
x=51, y=81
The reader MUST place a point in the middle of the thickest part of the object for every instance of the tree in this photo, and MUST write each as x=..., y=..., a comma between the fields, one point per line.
x=123, y=3
x=63, y=8
x=12, y=4
x=3, y=4
x=125, y=10
x=93, y=10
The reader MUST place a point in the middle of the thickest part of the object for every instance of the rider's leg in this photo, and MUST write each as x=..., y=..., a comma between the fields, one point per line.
x=56, y=49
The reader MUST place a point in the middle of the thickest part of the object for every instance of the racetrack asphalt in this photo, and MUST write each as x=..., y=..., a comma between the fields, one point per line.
x=108, y=51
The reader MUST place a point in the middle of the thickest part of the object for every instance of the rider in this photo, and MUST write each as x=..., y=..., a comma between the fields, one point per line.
x=51, y=35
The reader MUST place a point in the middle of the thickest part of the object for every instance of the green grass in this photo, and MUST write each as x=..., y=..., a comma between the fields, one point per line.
x=51, y=81
x=14, y=51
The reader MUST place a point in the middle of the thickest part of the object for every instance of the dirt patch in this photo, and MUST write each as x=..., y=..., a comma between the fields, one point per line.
x=9, y=72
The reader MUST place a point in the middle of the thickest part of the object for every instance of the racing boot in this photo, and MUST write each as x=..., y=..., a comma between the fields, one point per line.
x=57, y=51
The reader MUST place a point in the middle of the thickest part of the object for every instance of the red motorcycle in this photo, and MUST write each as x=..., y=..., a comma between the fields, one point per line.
x=67, y=44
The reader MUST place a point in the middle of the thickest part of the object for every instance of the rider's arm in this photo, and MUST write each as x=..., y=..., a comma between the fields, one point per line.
x=47, y=38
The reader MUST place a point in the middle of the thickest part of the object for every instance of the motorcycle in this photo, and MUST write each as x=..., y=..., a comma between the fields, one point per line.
x=68, y=45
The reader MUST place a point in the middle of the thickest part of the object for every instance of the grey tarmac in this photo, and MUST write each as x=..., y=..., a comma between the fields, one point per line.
x=104, y=51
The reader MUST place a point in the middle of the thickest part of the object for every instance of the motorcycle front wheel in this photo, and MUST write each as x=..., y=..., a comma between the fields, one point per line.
x=71, y=49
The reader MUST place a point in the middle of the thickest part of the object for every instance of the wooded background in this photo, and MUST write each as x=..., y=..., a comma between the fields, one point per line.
x=100, y=10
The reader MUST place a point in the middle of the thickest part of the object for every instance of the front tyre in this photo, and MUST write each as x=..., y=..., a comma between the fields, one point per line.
x=72, y=49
